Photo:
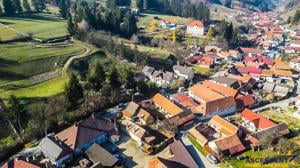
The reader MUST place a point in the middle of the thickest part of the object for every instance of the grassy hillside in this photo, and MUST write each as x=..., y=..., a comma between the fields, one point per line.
x=219, y=12
x=42, y=26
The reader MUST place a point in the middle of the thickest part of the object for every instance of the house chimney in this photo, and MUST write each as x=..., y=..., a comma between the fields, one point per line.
x=27, y=159
x=16, y=159
x=93, y=115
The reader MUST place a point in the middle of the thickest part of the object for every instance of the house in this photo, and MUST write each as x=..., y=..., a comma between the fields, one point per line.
x=295, y=64
x=254, y=122
x=55, y=150
x=131, y=110
x=270, y=133
x=245, y=101
x=195, y=29
x=295, y=43
x=180, y=158
x=162, y=78
x=211, y=102
x=148, y=71
x=236, y=56
x=159, y=77
x=83, y=134
x=21, y=162
x=223, y=90
x=183, y=71
x=137, y=133
x=291, y=50
x=144, y=117
x=172, y=112
x=227, y=82
x=212, y=49
x=185, y=101
x=219, y=135
x=225, y=55
x=251, y=52
x=165, y=106
x=170, y=24
x=100, y=157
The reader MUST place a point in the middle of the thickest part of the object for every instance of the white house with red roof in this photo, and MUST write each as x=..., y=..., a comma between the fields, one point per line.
x=255, y=122
x=195, y=29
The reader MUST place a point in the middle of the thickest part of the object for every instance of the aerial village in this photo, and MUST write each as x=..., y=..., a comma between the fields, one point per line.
x=238, y=108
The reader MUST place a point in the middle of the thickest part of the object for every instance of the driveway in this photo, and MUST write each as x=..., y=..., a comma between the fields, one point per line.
x=135, y=157
x=198, y=157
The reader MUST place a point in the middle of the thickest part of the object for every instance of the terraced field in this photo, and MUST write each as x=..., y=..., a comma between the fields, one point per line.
x=20, y=63
x=41, y=25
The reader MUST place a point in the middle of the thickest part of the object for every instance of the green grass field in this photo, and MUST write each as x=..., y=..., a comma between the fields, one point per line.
x=203, y=71
x=42, y=26
x=20, y=61
x=48, y=88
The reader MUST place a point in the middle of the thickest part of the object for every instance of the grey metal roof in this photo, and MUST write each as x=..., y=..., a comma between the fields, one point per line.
x=97, y=155
x=228, y=81
x=148, y=70
x=268, y=86
x=183, y=69
x=281, y=89
x=51, y=147
x=167, y=76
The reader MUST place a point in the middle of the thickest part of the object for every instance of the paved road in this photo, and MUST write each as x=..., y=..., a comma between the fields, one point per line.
x=198, y=157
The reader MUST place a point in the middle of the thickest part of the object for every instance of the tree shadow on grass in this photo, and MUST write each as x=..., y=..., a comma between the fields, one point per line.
x=34, y=18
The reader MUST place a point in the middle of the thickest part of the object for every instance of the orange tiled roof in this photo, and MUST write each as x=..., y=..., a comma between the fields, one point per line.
x=166, y=104
x=251, y=50
x=283, y=73
x=146, y=116
x=196, y=23
x=266, y=72
x=226, y=91
x=155, y=163
x=224, y=126
x=205, y=94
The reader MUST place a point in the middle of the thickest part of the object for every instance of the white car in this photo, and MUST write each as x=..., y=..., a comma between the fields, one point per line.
x=212, y=159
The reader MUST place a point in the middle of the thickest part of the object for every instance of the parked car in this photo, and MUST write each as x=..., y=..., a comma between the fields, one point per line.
x=212, y=159
x=241, y=157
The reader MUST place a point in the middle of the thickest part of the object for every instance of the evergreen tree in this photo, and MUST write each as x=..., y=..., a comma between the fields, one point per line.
x=111, y=4
x=73, y=90
x=17, y=112
x=39, y=5
x=227, y=3
x=140, y=4
x=1, y=11
x=296, y=17
x=228, y=32
x=129, y=25
x=289, y=20
x=63, y=9
x=9, y=8
x=71, y=26
x=130, y=81
x=17, y=5
x=96, y=77
x=114, y=78
x=26, y=5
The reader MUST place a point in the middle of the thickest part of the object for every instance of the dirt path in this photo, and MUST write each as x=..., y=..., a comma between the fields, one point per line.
x=71, y=59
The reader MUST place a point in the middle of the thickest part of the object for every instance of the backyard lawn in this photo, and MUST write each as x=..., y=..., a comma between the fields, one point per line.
x=41, y=25
x=203, y=71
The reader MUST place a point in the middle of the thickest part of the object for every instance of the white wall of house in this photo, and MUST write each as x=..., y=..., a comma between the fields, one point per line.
x=195, y=31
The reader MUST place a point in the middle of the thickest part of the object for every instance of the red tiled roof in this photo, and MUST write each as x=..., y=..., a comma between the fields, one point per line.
x=258, y=120
x=20, y=163
x=251, y=50
x=245, y=101
x=253, y=70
